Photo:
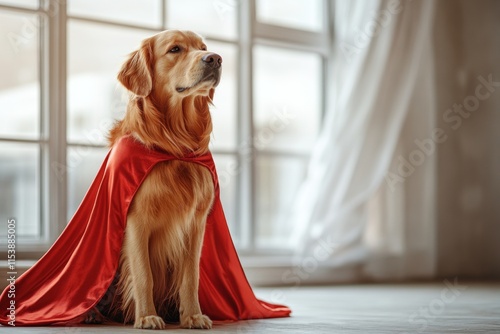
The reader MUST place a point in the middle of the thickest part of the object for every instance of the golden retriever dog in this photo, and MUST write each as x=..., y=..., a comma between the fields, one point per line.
x=171, y=78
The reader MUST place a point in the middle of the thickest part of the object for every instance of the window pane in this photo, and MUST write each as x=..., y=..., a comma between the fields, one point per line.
x=20, y=3
x=287, y=99
x=212, y=18
x=278, y=180
x=83, y=164
x=19, y=82
x=19, y=184
x=228, y=186
x=298, y=14
x=147, y=13
x=95, y=98
x=224, y=108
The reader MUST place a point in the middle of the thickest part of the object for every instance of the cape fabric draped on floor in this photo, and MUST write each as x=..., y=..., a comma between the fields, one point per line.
x=76, y=272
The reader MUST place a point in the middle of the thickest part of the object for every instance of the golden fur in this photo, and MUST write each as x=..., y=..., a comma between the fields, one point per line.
x=171, y=79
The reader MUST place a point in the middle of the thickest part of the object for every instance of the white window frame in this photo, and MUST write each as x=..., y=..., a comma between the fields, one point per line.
x=252, y=32
x=53, y=109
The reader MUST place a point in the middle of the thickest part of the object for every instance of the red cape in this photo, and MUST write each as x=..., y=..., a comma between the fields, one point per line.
x=76, y=272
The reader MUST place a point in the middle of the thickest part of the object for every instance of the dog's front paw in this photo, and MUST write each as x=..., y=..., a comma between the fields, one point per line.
x=150, y=322
x=93, y=316
x=200, y=321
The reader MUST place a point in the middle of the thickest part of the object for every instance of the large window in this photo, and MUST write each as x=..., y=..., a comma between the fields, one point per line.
x=59, y=96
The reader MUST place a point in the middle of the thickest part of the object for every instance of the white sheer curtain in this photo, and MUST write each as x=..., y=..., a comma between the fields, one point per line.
x=351, y=214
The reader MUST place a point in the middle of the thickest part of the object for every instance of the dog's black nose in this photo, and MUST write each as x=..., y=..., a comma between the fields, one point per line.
x=212, y=59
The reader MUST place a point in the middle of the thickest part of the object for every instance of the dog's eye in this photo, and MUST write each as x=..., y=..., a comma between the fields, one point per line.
x=204, y=48
x=175, y=49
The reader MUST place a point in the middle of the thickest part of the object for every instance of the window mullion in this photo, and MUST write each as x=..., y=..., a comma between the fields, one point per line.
x=44, y=116
x=163, y=14
x=56, y=170
x=246, y=190
x=328, y=66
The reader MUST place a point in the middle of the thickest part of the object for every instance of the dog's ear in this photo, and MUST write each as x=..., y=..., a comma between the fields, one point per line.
x=135, y=73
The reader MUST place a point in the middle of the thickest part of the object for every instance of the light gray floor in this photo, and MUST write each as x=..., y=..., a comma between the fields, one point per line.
x=444, y=307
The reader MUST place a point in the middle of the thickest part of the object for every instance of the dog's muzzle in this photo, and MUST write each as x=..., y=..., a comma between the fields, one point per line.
x=213, y=68
x=212, y=72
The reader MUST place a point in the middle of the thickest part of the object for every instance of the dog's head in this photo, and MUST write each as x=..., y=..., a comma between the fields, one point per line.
x=172, y=77
x=172, y=63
